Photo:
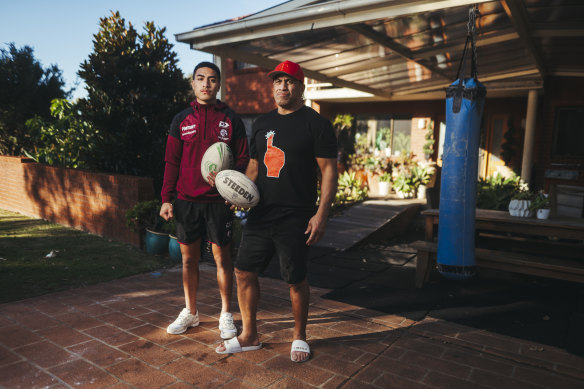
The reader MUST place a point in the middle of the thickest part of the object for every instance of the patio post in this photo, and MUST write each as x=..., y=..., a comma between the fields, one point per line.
x=529, y=139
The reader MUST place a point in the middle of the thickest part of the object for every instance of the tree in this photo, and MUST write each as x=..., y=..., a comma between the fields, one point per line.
x=66, y=140
x=26, y=90
x=134, y=88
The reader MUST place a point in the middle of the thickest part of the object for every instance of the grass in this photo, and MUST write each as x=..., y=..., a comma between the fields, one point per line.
x=80, y=258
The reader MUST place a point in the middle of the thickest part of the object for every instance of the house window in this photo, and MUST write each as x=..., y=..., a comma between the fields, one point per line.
x=391, y=135
x=569, y=132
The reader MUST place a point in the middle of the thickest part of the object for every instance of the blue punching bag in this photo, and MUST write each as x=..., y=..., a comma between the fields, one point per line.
x=465, y=100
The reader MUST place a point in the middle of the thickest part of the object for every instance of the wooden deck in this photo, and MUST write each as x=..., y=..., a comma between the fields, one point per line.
x=363, y=220
x=551, y=248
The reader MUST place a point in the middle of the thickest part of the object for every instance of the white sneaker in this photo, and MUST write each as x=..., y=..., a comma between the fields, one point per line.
x=226, y=326
x=184, y=320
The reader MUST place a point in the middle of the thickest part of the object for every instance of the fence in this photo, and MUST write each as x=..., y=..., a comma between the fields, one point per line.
x=93, y=202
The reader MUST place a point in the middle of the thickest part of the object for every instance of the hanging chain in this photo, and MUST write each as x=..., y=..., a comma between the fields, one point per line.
x=473, y=12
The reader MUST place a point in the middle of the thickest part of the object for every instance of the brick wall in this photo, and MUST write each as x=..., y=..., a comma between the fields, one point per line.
x=93, y=202
x=418, y=137
x=248, y=91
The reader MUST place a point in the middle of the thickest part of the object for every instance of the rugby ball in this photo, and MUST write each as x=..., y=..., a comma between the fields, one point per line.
x=237, y=188
x=216, y=158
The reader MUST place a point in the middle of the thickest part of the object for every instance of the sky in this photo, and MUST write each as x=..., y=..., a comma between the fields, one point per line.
x=61, y=31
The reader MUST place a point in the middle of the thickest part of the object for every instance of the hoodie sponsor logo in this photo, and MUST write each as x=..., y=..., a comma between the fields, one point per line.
x=188, y=130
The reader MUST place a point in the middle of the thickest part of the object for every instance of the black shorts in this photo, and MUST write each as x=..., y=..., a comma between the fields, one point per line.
x=195, y=220
x=285, y=238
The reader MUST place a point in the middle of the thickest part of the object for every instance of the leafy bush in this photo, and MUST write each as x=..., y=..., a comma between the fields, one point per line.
x=67, y=141
x=540, y=201
x=522, y=194
x=410, y=175
x=404, y=183
x=385, y=177
x=495, y=192
x=146, y=214
x=349, y=189
x=429, y=137
x=26, y=91
x=421, y=174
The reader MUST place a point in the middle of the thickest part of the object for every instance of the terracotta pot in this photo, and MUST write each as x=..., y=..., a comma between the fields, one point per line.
x=373, y=184
x=361, y=175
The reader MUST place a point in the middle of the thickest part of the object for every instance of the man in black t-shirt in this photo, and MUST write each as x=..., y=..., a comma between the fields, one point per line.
x=288, y=147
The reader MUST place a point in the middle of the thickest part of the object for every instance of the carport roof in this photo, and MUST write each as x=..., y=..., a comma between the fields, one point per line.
x=406, y=49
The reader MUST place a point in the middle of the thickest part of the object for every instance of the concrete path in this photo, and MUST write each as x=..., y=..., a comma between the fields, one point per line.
x=367, y=327
x=113, y=335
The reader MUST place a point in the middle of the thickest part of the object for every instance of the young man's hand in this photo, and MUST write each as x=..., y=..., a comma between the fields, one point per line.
x=166, y=211
x=211, y=178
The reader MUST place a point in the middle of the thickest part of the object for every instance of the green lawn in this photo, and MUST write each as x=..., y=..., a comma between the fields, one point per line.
x=79, y=258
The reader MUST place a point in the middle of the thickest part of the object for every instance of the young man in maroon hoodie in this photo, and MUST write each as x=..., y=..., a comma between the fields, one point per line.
x=198, y=207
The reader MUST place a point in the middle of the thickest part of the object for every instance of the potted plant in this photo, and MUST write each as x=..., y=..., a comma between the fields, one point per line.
x=429, y=145
x=384, y=183
x=145, y=217
x=520, y=203
x=495, y=192
x=349, y=189
x=541, y=205
x=404, y=185
x=372, y=168
x=421, y=174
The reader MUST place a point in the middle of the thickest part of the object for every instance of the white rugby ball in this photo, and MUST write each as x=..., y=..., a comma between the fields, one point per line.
x=237, y=188
x=216, y=158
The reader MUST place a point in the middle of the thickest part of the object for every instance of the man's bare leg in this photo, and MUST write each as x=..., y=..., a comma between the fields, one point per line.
x=248, y=293
x=300, y=296
x=191, y=253
x=222, y=256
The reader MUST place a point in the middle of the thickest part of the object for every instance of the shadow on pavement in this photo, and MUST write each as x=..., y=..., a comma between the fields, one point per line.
x=380, y=276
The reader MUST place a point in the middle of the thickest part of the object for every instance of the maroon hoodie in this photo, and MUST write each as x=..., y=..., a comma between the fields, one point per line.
x=192, y=131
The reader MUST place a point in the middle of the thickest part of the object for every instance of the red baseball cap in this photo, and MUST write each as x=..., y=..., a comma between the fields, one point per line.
x=290, y=68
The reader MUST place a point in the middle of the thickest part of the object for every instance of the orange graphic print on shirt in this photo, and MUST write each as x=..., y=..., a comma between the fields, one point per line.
x=275, y=158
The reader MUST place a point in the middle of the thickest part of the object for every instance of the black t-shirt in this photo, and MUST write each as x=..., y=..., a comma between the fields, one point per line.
x=286, y=148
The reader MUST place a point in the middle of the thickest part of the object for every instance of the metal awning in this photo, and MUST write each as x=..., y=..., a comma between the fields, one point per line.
x=406, y=49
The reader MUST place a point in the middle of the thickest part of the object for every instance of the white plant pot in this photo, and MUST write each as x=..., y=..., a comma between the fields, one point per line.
x=383, y=188
x=403, y=195
x=543, y=213
x=520, y=208
x=422, y=192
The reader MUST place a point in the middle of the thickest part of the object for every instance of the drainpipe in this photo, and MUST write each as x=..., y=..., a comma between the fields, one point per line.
x=529, y=139
x=217, y=60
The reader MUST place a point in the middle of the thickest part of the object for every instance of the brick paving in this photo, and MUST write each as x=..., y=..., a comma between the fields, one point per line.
x=113, y=335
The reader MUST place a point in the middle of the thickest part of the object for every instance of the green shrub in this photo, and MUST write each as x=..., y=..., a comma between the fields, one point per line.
x=404, y=183
x=146, y=214
x=540, y=201
x=349, y=189
x=495, y=192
